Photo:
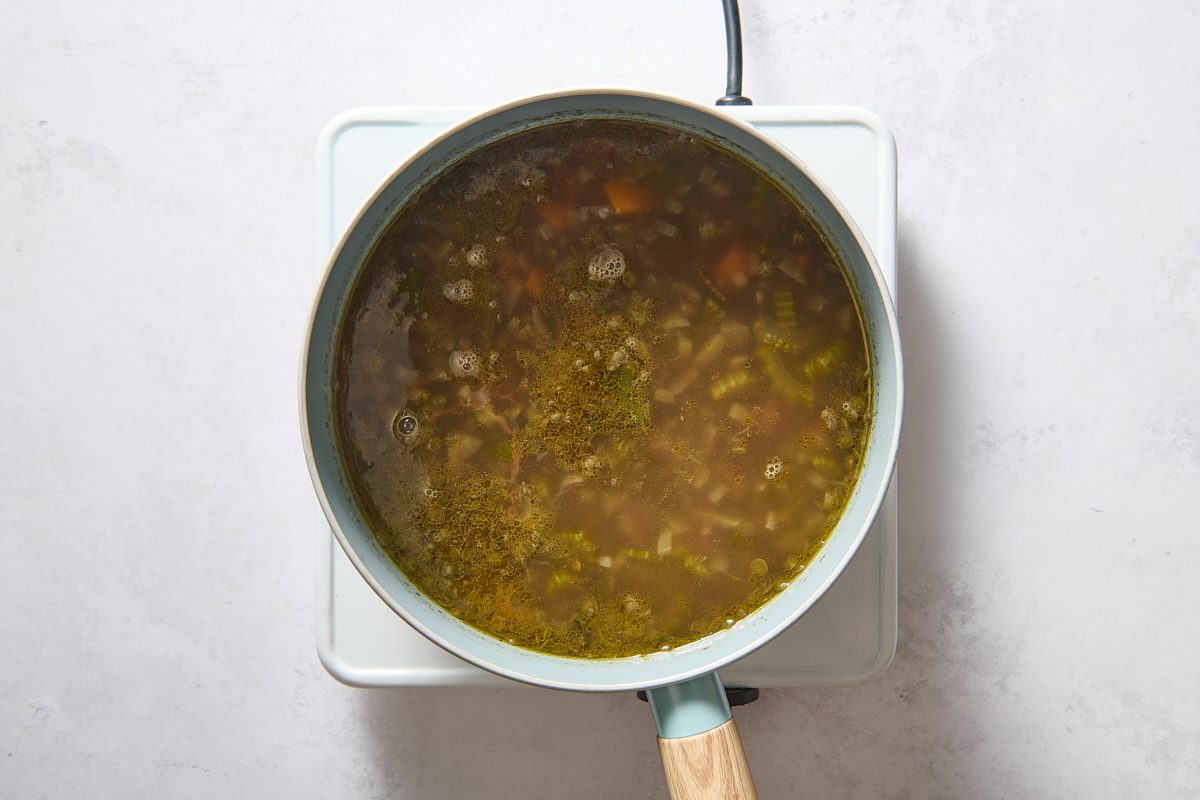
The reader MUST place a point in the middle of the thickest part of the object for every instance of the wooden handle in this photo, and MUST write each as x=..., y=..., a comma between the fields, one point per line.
x=708, y=766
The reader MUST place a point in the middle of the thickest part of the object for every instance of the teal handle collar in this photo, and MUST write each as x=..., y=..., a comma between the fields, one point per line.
x=689, y=708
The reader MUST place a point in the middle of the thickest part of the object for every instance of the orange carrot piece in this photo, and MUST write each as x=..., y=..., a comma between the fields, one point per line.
x=554, y=215
x=535, y=280
x=509, y=263
x=733, y=270
x=627, y=197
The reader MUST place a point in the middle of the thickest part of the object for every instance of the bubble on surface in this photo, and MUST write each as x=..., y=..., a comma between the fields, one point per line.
x=464, y=363
x=477, y=256
x=458, y=291
x=404, y=425
x=635, y=606
x=774, y=469
x=606, y=265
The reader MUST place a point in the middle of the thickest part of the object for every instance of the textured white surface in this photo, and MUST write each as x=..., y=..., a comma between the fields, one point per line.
x=156, y=597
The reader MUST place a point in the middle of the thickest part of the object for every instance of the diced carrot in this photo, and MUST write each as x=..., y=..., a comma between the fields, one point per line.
x=627, y=197
x=733, y=270
x=535, y=280
x=554, y=214
x=508, y=262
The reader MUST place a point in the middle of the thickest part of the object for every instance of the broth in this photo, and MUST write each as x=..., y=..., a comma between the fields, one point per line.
x=602, y=389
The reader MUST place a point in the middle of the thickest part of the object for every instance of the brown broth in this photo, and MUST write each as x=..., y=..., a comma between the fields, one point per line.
x=602, y=389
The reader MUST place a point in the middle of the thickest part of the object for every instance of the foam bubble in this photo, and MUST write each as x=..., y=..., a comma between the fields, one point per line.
x=458, y=291
x=404, y=425
x=606, y=265
x=464, y=363
x=774, y=469
x=477, y=256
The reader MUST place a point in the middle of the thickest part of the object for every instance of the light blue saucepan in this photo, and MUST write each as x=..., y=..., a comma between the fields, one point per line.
x=702, y=755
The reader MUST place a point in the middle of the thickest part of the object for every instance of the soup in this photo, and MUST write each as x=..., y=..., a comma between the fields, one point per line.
x=602, y=389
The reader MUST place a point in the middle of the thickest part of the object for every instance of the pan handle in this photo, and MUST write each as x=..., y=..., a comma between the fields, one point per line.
x=698, y=741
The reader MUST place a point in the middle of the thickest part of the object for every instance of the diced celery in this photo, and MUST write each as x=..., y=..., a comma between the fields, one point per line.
x=786, y=384
x=729, y=383
x=823, y=362
x=560, y=578
x=785, y=307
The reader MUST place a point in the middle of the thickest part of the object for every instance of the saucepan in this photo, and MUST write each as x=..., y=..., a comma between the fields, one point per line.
x=700, y=747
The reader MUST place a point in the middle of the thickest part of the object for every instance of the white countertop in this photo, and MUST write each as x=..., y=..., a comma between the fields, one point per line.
x=156, y=199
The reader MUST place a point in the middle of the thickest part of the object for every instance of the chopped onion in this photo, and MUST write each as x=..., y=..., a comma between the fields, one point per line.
x=737, y=333
x=539, y=324
x=712, y=348
x=569, y=482
x=684, y=381
x=721, y=520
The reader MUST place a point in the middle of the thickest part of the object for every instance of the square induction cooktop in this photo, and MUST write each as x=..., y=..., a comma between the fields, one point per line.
x=848, y=637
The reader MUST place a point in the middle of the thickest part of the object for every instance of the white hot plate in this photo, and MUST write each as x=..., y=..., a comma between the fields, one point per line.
x=848, y=637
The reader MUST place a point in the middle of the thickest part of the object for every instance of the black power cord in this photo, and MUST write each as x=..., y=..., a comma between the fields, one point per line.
x=733, y=49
